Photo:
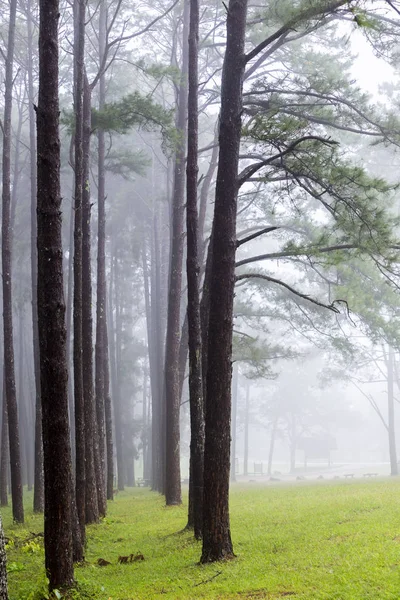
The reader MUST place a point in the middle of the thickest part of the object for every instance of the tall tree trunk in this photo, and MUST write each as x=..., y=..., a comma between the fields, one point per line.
x=394, y=469
x=15, y=454
x=51, y=313
x=195, y=516
x=101, y=356
x=246, y=430
x=235, y=381
x=38, y=493
x=217, y=542
x=80, y=453
x=92, y=495
x=172, y=384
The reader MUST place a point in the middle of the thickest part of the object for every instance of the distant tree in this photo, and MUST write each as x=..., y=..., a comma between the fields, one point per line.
x=93, y=478
x=38, y=496
x=195, y=518
x=80, y=451
x=51, y=313
x=172, y=383
x=9, y=367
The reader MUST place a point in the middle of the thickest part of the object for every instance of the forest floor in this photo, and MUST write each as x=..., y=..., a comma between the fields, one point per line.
x=321, y=540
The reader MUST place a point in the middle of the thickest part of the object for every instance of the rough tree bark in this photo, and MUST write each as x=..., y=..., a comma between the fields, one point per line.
x=172, y=384
x=217, y=542
x=9, y=366
x=51, y=313
x=195, y=512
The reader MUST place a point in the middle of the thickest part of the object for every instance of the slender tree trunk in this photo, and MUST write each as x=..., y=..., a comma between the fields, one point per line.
x=394, y=470
x=80, y=453
x=38, y=494
x=272, y=445
x=235, y=381
x=70, y=296
x=51, y=313
x=157, y=371
x=101, y=356
x=114, y=356
x=246, y=431
x=172, y=384
x=195, y=516
x=4, y=449
x=108, y=418
x=15, y=454
x=92, y=466
x=23, y=402
x=145, y=434
x=217, y=542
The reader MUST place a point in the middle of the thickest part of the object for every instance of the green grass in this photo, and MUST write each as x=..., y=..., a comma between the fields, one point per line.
x=331, y=541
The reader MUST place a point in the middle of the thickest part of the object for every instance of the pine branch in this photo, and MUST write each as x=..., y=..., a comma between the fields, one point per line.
x=252, y=169
x=330, y=307
x=310, y=13
x=255, y=235
x=300, y=252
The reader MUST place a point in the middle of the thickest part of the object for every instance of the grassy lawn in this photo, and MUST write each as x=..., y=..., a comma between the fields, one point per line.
x=316, y=541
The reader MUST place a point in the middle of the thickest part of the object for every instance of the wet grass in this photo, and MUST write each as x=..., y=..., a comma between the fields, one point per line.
x=331, y=541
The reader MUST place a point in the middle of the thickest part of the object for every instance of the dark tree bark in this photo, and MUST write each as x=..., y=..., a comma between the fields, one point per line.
x=9, y=366
x=38, y=493
x=217, y=542
x=51, y=313
x=3, y=565
x=101, y=353
x=172, y=384
x=80, y=474
x=92, y=467
x=195, y=513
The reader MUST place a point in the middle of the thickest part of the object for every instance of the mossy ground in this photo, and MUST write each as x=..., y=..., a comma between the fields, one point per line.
x=331, y=541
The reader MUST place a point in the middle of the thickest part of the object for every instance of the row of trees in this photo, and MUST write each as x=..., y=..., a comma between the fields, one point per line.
x=273, y=154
